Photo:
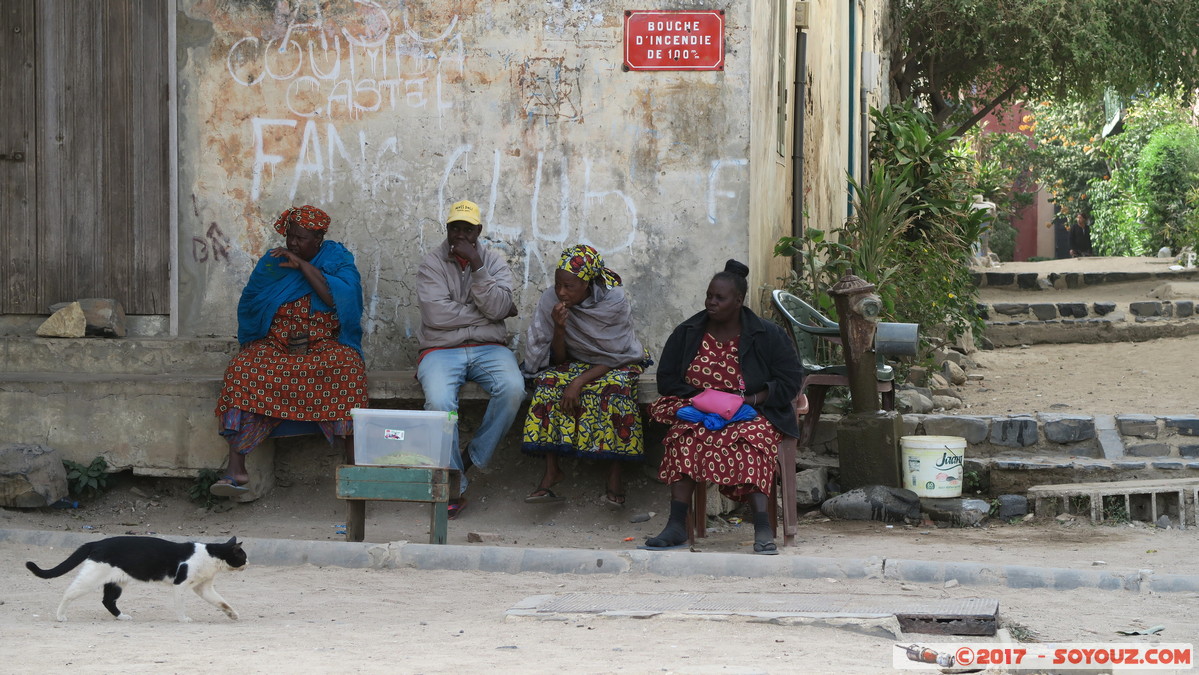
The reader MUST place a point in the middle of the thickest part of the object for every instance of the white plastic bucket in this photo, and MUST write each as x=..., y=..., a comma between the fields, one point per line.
x=932, y=465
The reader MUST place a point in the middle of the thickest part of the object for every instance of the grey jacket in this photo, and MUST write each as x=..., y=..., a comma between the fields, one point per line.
x=458, y=305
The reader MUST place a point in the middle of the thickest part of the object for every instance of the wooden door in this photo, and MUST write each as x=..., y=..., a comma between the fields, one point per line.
x=87, y=86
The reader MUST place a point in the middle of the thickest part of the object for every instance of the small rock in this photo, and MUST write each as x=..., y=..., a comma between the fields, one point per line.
x=31, y=476
x=1164, y=522
x=68, y=322
x=1097, y=563
x=1012, y=506
x=952, y=583
x=137, y=492
x=907, y=400
x=953, y=372
x=874, y=502
x=641, y=517
x=956, y=511
x=811, y=486
x=483, y=536
x=104, y=317
x=917, y=376
x=974, y=377
x=946, y=402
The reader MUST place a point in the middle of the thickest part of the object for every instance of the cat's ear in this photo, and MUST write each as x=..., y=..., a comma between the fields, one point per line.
x=232, y=541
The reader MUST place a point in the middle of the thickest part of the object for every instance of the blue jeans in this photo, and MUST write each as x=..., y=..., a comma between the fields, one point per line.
x=443, y=372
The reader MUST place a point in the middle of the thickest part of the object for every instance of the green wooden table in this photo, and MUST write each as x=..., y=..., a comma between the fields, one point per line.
x=360, y=484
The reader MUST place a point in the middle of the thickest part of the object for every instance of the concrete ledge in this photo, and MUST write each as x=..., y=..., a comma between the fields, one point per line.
x=512, y=560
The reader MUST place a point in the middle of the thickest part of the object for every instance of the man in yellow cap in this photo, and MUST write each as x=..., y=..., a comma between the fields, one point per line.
x=465, y=295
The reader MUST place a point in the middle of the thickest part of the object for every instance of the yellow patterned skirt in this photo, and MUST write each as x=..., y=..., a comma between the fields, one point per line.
x=609, y=426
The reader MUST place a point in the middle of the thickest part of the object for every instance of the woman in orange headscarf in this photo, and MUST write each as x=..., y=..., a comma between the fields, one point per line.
x=300, y=369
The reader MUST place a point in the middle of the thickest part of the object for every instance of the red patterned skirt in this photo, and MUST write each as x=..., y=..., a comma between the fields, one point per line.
x=740, y=458
x=322, y=385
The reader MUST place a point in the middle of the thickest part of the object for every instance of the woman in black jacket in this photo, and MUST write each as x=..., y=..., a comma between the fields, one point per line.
x=728, y=348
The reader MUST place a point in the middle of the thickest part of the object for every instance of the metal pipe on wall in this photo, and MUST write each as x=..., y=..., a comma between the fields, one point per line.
x=850, y=154
x=797, y=136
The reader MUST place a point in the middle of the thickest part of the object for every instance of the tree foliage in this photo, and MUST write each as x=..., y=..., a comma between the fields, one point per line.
x=962, y=58
x=1135, y=187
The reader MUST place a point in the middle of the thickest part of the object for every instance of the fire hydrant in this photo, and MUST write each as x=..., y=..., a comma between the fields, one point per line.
x=858, y=309
x=867, y=438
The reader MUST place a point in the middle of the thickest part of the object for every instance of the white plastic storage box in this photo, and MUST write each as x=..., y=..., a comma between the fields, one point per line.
x=403, y=437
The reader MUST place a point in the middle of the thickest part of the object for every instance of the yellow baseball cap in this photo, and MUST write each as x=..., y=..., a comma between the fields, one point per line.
x=465, y=210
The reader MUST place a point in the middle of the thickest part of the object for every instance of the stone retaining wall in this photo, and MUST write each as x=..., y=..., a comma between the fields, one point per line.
x=1010, y=313
x=1167, y=442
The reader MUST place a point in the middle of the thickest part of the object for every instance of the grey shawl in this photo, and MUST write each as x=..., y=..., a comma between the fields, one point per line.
x=599, y=331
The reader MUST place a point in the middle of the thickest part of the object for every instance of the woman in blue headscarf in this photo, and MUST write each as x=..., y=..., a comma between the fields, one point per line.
x=585, y=360
x=300, y=364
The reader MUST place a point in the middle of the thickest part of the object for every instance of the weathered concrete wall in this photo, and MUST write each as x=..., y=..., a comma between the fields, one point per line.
x=385, y=113
x=770, y=182
x=832, y=91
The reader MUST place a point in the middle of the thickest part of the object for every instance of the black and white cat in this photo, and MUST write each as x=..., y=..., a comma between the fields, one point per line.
x=111, y=563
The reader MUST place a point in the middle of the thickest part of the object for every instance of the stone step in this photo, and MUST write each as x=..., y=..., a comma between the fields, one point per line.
x=1067, y=312
x=1033, y=281
x=1093, y=330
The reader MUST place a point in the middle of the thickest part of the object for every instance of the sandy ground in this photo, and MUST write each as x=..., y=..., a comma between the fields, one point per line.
x=1157, y=377
x=310, y=619
x=314, y=620
x=1154, y=377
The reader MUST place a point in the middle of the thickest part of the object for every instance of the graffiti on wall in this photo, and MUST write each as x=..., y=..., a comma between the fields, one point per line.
x=550, y=90
x=213, y=246
x=351, y=68
x=349, y=108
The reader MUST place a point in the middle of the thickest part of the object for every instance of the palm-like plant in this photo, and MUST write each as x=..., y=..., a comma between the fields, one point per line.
x=883, y=212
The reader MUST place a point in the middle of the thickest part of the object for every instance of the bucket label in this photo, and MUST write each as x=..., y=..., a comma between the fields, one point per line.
x=393, y=434
x=949, y=460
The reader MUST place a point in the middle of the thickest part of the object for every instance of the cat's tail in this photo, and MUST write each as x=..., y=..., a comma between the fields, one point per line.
x=63, y=567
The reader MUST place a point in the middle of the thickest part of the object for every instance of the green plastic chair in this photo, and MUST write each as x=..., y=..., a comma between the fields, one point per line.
x=809, y=328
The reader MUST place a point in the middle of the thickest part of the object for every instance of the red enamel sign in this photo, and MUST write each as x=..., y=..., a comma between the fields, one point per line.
x=674, y=40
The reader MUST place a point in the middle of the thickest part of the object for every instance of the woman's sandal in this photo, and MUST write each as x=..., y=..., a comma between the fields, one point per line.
x=613, y=500
x=766, y=548
x=543, y=496
x=456, y=506
x=229, y=489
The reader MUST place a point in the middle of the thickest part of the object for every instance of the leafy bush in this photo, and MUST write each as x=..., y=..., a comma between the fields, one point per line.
x=822, y=261
x=87, y=480
x=1118, y=211
x=1167, y=173
x=930, y=283
x=199, y=492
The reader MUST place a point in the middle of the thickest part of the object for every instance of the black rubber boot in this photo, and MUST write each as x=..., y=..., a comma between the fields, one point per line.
x=764, y=534
x=675, y=533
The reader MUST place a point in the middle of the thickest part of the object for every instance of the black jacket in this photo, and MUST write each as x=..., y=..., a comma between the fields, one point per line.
x=768, y=361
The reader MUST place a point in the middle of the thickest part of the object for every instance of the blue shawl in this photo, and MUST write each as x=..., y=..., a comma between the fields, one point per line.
x=270, y=286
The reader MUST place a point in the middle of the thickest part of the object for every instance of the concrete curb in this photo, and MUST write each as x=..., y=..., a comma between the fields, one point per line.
x=511, y=560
